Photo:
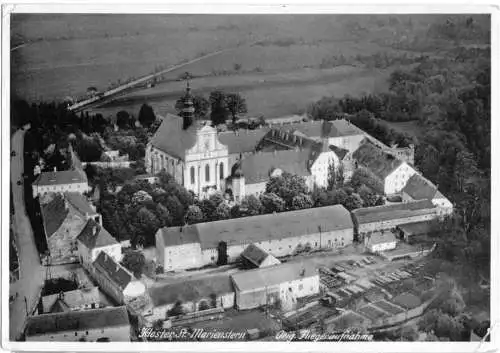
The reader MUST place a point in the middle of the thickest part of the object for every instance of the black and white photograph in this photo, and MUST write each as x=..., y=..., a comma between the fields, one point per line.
x=280, y=177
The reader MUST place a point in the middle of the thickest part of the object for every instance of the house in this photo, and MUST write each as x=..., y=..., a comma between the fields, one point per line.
x=274, y=284
x=62, y=181
x=96, y=325
x=79, y=299
x=93, y=239
x=279, y=234
x=114, y=280
x=254, y=256
x=380, y=241
x=394, y=173
x=191, y=295
x=64, y=215
x=372, y=219
x=420, y=188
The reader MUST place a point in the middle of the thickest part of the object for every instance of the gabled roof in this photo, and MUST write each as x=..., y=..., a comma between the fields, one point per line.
x=59, y=178
x=273, y=275
x=419, y=188
x=340, y=152
x=242, y=141
x=381, y=238
x=260, y=228
x=424, y=227
x=258, y=166
x=71, y=299
x=255, y=255
x=112, y=270
x=324, y=129
x=54, y=213
x=380, y=163
x=77, y=321
x=95, y=236
x=79, y=202
x=191, y=289
x=171, y=138
x=394, y=211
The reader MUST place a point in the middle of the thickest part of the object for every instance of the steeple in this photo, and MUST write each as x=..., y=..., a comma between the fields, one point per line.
x=188, y=108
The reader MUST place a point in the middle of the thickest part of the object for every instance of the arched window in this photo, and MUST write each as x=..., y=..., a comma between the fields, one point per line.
x=192, y=175
x=221, y=170
x=207, y=173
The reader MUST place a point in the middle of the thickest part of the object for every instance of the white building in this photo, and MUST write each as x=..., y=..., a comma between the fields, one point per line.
x=394, y=173
x=92, y=240
x=380, y=241
x=97, y=325
x=420, y=188
x=67, y=180
x=270, y=285
x=279, y=234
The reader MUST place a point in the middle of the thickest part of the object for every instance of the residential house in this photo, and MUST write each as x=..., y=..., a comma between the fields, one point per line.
x=79, y=299
x=274, y=284
x=380, y=241
x=64, y=216
x=420, y=188
x=93, y=239
x=114, y=280
x=62, y=181
x=279, y=234
x=96, y=325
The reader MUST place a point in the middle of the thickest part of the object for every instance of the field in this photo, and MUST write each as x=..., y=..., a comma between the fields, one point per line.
x=55, y=56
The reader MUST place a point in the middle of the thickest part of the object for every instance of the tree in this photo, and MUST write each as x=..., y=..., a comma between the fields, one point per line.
x=235, y=104
x=223, y=211
x=194, y=215
x=353, y=201
x=409, y=333
x=208, y=208
x=219, y=112
x=286, y=186
x=134, y=261
x=362, y=176
x=301, y=201
x=144, y=225
x=251, y=205
x=368, y=196
x=272, y=203
x=176, y=210
x=146, y=115
x=123, y=119
x=332, y=176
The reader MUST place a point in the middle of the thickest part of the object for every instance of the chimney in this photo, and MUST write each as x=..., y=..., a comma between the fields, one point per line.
x=55, y=169
x=61, y=295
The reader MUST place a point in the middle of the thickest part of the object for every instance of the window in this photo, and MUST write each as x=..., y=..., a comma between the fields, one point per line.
x=192, y=175
x=76, y=334
x=207, y=173
x=87, y=333
x=221, y=170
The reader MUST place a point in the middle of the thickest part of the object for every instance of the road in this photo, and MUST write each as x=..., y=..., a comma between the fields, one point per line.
x=31, y=272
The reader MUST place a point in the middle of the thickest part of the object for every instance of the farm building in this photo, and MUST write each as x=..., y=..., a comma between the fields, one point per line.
x=282, y=283
x=253, y=256
x=411, y=231
x=278, y=234
x=374, y=219
x=79, y=299
x=190, y=296
x=64, y=215
x=96, y=325
x=420, y=188
x=62, y=181
x=115, y=280
x=93, y=239
x=380, y=241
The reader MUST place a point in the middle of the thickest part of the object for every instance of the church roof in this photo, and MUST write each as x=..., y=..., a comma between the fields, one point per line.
x=242, y=141
x=171, y=138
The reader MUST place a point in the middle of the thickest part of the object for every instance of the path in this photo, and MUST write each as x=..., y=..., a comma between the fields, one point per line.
x=31, y=272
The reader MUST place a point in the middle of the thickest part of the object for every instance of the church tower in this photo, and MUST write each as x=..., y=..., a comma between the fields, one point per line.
x=188, y=107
